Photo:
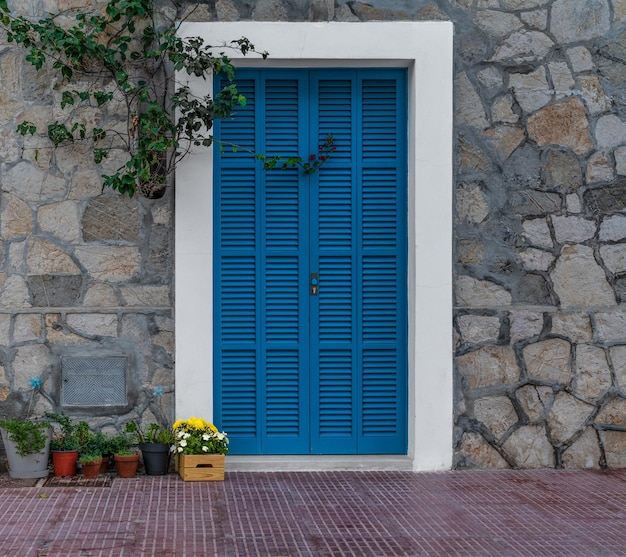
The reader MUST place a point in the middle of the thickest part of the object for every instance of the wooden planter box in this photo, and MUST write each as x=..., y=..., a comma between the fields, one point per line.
x=199, y=468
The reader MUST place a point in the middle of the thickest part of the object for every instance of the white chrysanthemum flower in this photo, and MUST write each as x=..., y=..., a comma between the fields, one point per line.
x=179, y=434
x=206, y=437
x=183, y=443
x=205, y=448
x=186, y=435
x=180, y=449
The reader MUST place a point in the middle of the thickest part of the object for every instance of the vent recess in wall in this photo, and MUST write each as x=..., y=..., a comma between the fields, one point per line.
x=93, y=381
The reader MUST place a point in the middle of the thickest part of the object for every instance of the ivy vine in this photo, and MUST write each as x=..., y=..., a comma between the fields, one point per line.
x=122, y=60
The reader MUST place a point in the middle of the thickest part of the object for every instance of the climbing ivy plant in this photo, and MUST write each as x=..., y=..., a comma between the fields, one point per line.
x=122, y=60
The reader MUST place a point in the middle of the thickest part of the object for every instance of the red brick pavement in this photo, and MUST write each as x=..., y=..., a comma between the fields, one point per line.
x=324, y=514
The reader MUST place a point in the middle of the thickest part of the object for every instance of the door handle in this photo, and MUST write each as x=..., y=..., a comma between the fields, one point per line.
x=314, y=284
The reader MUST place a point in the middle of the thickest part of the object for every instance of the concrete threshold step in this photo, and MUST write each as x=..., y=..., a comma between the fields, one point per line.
x=316, y=463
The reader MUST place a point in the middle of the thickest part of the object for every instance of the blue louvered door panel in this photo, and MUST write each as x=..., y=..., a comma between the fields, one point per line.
x=297, y=373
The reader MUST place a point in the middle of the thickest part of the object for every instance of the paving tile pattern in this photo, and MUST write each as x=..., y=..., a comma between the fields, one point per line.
x=324, y=514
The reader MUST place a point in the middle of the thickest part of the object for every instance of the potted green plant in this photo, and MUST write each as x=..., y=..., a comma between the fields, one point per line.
x=125, y=455
x=101, y=444
x=66, y=443
x=27, y=446
x=90, y=463
x=156, y=444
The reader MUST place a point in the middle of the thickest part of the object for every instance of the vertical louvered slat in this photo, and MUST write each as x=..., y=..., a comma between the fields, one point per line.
x=382, y=270
x=285, y=259
x=334, y=256
x=237, y=266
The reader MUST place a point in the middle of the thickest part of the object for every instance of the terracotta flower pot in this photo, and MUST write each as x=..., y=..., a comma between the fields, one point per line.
x=126, y=465
x=104, y=465
x=64, y=462
x=91, y=469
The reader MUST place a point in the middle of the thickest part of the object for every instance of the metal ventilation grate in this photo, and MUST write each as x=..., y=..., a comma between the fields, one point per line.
x=93, y=381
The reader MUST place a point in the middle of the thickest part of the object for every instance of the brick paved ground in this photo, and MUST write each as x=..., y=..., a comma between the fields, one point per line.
x=357, y=514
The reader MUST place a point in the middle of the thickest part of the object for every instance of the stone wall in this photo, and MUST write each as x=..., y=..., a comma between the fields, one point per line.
x=83, y=273
x=540, y=231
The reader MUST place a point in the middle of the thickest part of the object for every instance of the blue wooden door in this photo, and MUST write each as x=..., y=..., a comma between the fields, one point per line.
x=310, y=269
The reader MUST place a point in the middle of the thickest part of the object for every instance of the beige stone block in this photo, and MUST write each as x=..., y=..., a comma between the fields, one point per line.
x=16, y=217
x=524, y=324
x=567, y=416
x=535, y=401
x=15, y=293
x=504, y=139
x=61, y=220
x=33, y=184
x=523, y=46
x=529, y=448
x=471, y=157
x=16, y=257
x=573, y=21
x=537, y=232
x=549, y=360
x=564, y=123
x=618, y=359
x=489, y=366
x=562, y=170
x=610, y=131
x=497, y=24
x=101, y=295
x=584, y=453
x=575, y=326
x=480, y=454
x=472, y=292
x=165, y=340
x=502, y=110
x=45, y=258
x=471, y=204
x=531, y=90
x=469, y=109
x=93, y=324
x=580, y=58
x=523, y=4
x=578, y=279
x=30, y=361
x=5, y=329
x=619, y=11
x=470, y=251
x=610, y=325
x=620, y=160
x=145, y=295
x=27, y=327
x=599, y=168
x=109, y=263
x=592, y=373
x=85, y=183
x=536, y=259
x=57, y=333
x=612, y=413
x=614, y=443
x=572, y=229
x=595, y=98
x=614, y=257
x=497, y=413
x=537, y=19
x=479, y=328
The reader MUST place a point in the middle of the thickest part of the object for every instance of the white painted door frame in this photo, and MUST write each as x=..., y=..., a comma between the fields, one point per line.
x=425, y=48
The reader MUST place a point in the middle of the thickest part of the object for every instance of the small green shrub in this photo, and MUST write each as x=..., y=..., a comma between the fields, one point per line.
x=29, y=437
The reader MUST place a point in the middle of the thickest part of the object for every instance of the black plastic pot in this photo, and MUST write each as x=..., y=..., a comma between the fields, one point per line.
x=156, y=458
